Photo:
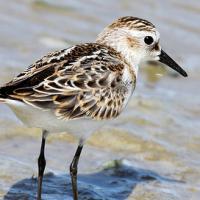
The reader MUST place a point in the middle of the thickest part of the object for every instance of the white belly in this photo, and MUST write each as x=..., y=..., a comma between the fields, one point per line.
x=46, y=120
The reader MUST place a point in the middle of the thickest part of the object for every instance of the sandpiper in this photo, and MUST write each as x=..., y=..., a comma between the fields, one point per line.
x=82, y=87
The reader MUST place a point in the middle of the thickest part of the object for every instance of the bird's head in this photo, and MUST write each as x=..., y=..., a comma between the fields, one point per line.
x=137, y=40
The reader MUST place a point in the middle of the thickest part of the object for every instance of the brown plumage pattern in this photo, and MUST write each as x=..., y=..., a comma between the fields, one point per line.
x=81, y=81
x=132, y=23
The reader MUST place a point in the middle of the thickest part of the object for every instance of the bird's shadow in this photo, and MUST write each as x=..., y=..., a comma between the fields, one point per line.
x=111, y=183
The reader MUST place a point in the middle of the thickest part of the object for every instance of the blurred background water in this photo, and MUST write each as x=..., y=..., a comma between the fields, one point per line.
x=157, y=138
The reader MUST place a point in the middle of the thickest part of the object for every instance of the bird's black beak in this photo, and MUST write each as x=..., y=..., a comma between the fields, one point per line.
x=165, y=59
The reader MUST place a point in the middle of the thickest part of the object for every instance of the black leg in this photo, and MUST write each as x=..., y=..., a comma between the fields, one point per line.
x=41, y=165
x=74, y=170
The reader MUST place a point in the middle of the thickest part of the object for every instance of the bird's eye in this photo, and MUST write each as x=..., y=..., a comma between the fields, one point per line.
x=148, y=40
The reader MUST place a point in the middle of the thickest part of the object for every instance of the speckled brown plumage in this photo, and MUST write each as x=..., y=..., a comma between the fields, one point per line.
x=132, y=23
x=82, y=81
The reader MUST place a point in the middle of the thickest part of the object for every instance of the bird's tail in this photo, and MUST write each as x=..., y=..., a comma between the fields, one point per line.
x=2, y=97
x=2, y=100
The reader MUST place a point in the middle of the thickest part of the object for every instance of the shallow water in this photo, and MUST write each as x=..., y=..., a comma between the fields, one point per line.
x=157, y=137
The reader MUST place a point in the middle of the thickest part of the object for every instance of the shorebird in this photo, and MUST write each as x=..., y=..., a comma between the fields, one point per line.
x=80, y=88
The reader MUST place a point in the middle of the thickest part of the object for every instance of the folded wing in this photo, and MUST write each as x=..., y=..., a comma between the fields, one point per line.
x=82, y=81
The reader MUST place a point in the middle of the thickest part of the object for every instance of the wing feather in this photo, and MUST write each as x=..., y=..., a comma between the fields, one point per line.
x=82, y=81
